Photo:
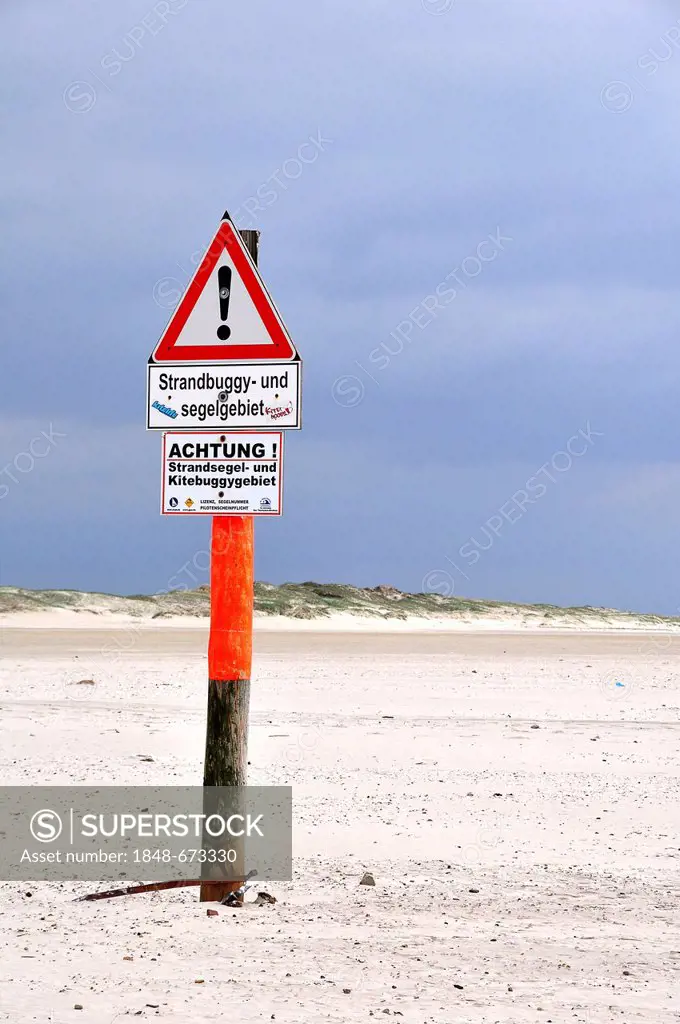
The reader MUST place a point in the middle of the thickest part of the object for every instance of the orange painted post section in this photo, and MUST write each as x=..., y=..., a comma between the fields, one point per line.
x=230, y=652
x=230, y=648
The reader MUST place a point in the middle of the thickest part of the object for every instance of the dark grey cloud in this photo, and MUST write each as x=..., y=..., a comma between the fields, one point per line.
x=131, y=127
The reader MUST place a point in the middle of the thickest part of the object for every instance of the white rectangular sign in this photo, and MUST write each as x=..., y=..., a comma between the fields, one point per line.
x=230, y=474
x=224, y=396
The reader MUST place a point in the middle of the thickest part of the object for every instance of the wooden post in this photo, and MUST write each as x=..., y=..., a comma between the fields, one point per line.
x=230, y=650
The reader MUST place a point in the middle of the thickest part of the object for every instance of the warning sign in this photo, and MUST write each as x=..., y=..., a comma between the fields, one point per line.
x=226, y=313
x=222, y=474
x=219, y=396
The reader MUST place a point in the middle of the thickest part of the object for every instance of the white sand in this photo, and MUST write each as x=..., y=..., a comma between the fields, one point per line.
x=505, y=620
x=575, y=861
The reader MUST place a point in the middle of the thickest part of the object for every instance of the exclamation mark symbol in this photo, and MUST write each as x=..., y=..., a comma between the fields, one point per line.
x=273, y=449
x=224, y=286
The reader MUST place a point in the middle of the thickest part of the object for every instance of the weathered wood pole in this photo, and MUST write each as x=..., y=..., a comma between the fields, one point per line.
x=230, y=651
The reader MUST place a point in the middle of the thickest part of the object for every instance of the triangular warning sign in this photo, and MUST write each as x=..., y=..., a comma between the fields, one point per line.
x=226, y=313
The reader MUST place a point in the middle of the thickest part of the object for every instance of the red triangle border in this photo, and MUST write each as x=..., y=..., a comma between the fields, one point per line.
x=281, y=347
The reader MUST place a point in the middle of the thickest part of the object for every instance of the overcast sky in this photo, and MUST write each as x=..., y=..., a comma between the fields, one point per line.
x=440, y=450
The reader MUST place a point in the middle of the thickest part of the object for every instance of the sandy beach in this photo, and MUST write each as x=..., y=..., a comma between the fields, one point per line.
x=514, y=794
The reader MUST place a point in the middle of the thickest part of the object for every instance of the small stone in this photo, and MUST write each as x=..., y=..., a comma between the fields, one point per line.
x=128, y=958
x=199, y=981
x=469, y=794
x=457, y=986
x=535, y=726
x=368, y=879
x=626, y=972
x=264, y=897
x=212, y=913
x=510, y=988
x=473, y=890
x=347, y=991
x=77, y=1006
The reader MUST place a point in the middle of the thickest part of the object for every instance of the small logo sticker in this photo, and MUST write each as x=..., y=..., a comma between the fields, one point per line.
x=166, y=410
x=276, y=412
x=189, y=503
